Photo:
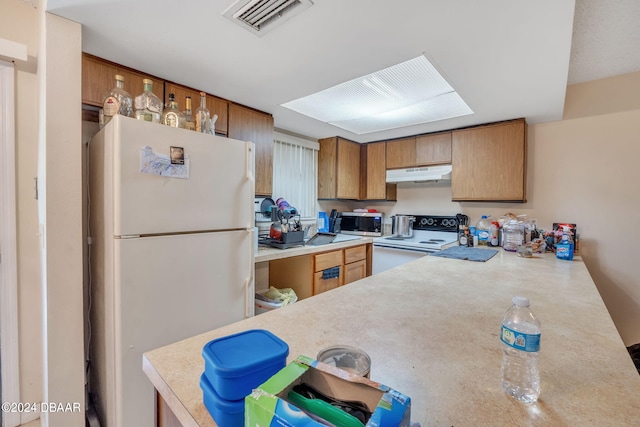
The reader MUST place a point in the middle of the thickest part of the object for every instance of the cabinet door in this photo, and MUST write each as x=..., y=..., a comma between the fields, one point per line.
x=250, y=125
x=433, y=149
x=348, y=170
x=321, y=285
x=327, y=168
x=401, y=153
x=374, y=185
x=327, y=260
x=355, y=254
x=355, y=271
x=215, y=105
x=489, y=163
x=98, y=76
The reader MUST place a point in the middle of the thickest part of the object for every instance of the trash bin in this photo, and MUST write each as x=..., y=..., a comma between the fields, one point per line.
x=634, y=352
x=273, y=298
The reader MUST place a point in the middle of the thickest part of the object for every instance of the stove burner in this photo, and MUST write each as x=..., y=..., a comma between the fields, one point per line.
x=397, y=238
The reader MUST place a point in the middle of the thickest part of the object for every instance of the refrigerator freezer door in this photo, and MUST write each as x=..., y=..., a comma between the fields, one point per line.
x=218, y=194
x=168, y=288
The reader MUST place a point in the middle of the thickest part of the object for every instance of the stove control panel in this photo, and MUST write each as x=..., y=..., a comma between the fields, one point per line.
x=435, y=223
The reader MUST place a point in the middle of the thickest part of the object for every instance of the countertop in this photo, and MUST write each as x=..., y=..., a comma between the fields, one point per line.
x=431, y=328
x=342, y=241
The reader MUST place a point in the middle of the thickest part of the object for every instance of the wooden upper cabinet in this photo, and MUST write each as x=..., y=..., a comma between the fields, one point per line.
x=214, y=104
x=489, y=162
x=98, y=76
x=401, y=153
x=247, y=124
x=327, y=170
x=348, y=181
x=338, y=169
x=433, y=149
x=373, y=164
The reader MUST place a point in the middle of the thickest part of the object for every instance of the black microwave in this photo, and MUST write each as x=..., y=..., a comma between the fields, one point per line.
x=362, y=223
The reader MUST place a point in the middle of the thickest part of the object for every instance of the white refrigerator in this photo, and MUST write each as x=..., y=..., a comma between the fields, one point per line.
x=171, y=251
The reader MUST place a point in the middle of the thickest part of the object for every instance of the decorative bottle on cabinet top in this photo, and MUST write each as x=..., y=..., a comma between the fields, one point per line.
x=171, y=115
x=147, y=105
x=117, y=101
x=188, y=114
x=202, y=115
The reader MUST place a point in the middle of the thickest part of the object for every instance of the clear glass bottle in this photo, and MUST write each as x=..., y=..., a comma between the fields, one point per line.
x=172, y=116
x=520, y=341
x=203, y=118
x=188, y=114
x=148, y=106
x=116, y=101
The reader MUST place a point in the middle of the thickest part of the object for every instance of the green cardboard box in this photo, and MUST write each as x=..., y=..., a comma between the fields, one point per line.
x=268, y=405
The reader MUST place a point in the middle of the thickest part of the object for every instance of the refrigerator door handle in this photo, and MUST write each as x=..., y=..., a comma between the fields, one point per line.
x=248, y=161
x=249, y=285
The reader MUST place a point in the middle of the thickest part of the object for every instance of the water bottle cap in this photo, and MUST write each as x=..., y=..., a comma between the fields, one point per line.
x=484, y=217
x=521, y=301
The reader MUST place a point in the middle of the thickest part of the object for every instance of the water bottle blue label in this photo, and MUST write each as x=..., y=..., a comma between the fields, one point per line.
x=520, y=341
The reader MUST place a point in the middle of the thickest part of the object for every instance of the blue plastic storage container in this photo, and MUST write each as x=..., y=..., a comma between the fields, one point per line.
x=226, y=413
x=236, y=364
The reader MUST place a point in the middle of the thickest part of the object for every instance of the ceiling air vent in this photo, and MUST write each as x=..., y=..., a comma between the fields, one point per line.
x=261, y=16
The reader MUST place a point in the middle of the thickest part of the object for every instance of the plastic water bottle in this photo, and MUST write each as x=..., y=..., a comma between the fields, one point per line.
x=482, y=230
x=513, y=235
x=520, y=336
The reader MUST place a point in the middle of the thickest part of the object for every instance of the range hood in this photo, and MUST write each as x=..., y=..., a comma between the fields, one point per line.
x=423, y=174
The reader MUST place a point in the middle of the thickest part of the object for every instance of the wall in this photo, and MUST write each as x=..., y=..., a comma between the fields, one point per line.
x=60, y=214
x=19, y=23
x=582, y=170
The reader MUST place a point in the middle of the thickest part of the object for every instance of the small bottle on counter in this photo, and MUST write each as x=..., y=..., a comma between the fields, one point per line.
x=482, y=229
x=564, y=248
x=520, y=341
x=464, y=239
x=493, y=233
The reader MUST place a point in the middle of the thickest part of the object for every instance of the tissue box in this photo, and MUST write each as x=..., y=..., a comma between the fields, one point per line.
x=267, y=406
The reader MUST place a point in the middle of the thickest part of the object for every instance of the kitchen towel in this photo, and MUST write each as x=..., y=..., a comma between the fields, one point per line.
x=463, y=252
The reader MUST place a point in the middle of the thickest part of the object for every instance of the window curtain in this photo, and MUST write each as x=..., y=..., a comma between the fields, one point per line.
x=295, y=173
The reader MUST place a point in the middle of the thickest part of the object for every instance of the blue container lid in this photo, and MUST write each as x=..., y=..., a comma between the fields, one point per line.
x=244, y=353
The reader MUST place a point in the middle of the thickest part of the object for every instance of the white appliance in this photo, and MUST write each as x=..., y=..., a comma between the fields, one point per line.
x=171, y=254
x=422, y=174
x=430, y=234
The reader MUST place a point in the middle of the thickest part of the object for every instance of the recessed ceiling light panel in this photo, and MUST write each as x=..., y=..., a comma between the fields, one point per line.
x=409, y=93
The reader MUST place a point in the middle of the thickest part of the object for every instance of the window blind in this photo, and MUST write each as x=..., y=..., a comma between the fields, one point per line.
x=295, y=173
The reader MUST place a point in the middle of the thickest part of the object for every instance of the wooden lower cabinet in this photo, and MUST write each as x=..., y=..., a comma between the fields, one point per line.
x=304, y=274
x=355, y=271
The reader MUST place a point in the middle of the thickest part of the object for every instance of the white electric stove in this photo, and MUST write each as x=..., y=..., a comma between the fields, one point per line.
x=430, y=234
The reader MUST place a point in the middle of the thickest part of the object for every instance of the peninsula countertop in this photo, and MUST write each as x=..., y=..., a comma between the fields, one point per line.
x=431, y=328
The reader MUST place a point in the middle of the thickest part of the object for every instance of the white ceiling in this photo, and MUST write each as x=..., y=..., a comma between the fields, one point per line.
x=506, y=58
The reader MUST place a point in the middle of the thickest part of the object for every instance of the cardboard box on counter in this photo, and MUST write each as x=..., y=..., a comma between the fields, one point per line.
x=270, y=404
